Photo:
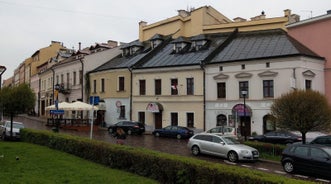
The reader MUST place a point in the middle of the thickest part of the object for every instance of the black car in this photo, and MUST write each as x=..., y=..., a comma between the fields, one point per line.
x=178, y=132
x=324, y=140
x=129, y=127
x=310, y=159
x=277, y=137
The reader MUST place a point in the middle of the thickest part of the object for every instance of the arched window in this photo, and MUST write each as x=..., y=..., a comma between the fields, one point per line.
x=269, y=123
x=221, y=120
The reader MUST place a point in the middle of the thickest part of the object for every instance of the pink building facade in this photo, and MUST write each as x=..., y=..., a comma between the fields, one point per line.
x=315, y=33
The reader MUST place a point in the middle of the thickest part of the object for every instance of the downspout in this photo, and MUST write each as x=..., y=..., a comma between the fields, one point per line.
x=202, y=66
x=53, y=83
x=82, y=90
x=130, y=70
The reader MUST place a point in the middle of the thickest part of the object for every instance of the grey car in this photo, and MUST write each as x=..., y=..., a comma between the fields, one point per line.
x=221, y=145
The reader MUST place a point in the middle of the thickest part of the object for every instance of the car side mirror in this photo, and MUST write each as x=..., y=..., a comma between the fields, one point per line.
x=222, y=143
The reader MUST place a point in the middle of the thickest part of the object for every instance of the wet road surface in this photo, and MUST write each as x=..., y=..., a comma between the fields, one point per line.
x=167, y=145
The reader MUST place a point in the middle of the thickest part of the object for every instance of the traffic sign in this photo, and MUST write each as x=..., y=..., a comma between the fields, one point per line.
x=56, y=112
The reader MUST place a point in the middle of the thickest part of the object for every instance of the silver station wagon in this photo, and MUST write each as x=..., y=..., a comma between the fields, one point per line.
x=221, y=145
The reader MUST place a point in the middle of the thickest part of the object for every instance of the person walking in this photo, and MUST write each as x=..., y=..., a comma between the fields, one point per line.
x=120, y=136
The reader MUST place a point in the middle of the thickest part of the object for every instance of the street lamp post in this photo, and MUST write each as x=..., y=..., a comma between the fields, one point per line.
x=56, y=103
x=244, y=94
x=2, y=70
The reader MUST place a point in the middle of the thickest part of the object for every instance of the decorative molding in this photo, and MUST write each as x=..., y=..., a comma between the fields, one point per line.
x=268, y=74
x=221, y=76
x=243, y=75
x=308, y=73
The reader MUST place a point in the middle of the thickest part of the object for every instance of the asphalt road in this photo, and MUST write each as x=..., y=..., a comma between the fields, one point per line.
x=167, y=145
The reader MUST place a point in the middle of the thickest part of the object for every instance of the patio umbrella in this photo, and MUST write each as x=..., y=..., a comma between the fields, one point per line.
x=62, y=106
x=80, y=106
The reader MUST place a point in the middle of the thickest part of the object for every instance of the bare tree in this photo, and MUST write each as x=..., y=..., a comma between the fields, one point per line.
x=302, y=110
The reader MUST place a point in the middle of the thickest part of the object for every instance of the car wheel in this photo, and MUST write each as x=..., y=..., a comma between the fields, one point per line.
x=110, y=130
x=195, y=150
x=288, y=167
x=157, y=134
x=232, y=156
x=129, y=132
x=179, y=136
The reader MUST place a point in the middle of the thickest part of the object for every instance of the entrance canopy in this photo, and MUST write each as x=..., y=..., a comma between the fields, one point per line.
x=75, y=106
x=154, y=107
x=239, y=110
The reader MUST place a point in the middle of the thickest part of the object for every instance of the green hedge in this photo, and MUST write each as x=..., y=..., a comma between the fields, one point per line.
x=165, y=168
x=267, y=148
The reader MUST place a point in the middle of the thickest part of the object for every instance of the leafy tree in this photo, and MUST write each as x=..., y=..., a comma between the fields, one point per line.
x=302, y=110
x=16, y=100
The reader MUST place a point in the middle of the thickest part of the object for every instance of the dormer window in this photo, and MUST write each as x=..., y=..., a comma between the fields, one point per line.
x=156, y=40
x=134, y=50
x=179, y=47
x=198, y=42
x=180, y=44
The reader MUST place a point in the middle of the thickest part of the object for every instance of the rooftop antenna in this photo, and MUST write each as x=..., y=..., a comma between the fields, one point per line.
x=310, y=11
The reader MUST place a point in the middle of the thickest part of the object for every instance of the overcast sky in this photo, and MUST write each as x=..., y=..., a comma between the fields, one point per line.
x=28, y=25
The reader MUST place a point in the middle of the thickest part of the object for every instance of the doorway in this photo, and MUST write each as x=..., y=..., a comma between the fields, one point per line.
x=245, y=121
x=158, y=120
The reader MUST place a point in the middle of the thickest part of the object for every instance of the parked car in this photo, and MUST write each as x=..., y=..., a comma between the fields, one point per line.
x=6, y=129
x=312, y=159
x=225, y=130
x=277, y=137
x=324, y=140
x=129, y=127
x=178, y=132
x=221, y=145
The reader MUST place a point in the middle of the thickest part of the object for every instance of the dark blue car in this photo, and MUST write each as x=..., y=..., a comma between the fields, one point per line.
x=178, y=132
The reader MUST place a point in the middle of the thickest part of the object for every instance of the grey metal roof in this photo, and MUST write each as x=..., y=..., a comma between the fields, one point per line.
x=167, y=58
x=261, y=44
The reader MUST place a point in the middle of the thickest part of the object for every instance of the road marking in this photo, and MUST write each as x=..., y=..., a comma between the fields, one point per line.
x=262, y=169
x=323, y=180
x=248, y=166
x=301, y=176
x=280, y=172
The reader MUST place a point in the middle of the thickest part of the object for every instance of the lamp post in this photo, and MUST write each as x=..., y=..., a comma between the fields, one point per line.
x=244, y=94
x=56, y=103
x=2, y=70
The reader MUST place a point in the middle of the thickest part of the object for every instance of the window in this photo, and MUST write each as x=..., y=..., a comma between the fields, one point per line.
x=141, y=117
x=243, y=67
x=62, y=79
x=68, y=79
x=142, y=87
x=122, y=112
x=94, y=86
x=221, y=90
x=174, y=87
x=57, y=80
x=243, y=85
x=268, y=88
x=190, y=119
x=102, y=85
x=308, y=84
x=80, y=77
x=120, y=83
x=190, y=86
x=158, y=87
x=221, y=68
x=174, y=118
x=74, y=78
x=267, y=65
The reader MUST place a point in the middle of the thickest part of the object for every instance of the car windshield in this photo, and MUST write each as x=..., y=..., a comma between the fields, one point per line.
x=230, y=140
x=16, y=125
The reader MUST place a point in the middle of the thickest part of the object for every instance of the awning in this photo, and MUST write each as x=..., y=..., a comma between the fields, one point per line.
x=239, y=110
x=154, y=107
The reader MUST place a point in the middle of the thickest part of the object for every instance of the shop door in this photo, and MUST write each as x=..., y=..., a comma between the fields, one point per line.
x=246, y=129
x=158, y=120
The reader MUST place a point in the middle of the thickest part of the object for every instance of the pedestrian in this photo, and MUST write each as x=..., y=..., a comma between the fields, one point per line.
x=120, y=136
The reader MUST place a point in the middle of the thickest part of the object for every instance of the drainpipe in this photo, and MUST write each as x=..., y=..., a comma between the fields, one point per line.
x=130, y=70
x=202, y=66
x=53, y=83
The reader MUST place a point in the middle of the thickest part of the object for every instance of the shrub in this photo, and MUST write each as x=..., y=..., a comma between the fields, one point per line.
x=165, y=168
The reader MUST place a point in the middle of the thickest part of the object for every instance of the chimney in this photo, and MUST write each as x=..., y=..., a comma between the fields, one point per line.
x=112, y=43
x=142, y=23
x=239, y=19
x=287, y=13
x=79, y=45
x=183, y=13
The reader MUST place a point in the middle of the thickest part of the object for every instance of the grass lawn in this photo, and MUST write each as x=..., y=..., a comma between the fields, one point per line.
x=38, y=164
